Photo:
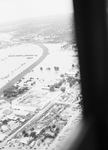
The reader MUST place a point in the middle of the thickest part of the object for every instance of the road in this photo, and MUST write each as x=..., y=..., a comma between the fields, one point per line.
x=36, y=117
x=23, y=73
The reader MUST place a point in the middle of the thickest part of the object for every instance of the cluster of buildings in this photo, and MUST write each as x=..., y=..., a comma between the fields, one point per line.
x=43, y=129
x=10, y=121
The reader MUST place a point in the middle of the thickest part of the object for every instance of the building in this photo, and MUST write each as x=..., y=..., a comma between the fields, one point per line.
x=4, y=128
x=25, y=140
x=24, y=108
x=21, y=112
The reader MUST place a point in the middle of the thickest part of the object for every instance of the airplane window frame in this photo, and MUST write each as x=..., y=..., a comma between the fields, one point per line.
x=91, y=34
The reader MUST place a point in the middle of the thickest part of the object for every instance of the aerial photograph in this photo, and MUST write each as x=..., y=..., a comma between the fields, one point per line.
x=40, y=88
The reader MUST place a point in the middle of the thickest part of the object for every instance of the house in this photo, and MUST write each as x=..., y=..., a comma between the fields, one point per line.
x=25, y=140
x=4, y=128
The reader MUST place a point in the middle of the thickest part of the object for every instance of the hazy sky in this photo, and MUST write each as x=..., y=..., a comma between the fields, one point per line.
x=18, y=9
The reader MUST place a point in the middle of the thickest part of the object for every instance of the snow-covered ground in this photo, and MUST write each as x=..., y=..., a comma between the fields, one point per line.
x=56, y=57
x=11, y=64
x=5, y=37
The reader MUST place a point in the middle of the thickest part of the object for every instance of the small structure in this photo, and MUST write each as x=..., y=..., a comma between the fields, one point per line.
x=22, y=107
x=4, y=128
x=25, y=140
x=12, y=117
x=45, y=88
x=21, y=112
x=22, y=120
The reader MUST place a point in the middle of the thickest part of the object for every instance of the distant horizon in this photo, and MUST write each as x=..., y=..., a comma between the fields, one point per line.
x=6, y=23
x=13, y=10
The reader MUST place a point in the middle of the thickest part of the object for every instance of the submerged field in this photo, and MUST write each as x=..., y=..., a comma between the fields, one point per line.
x=14, y=60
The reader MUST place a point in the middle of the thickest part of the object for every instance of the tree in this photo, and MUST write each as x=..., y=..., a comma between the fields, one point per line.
x=71, y=80
x=56, y=85
x=70, y=84
x=41, y=68
x=23, y=132
x=32, y=129
x=73, y=65
x=52, y=88
x=5, y=121
x=48, y=68
x=33, y=134
x=60, y=83
x=26, y=135
x=62, y=75
x=56, y=68
x=63, y=89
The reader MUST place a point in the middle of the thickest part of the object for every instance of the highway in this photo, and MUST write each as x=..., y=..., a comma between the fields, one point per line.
x=27, y=70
